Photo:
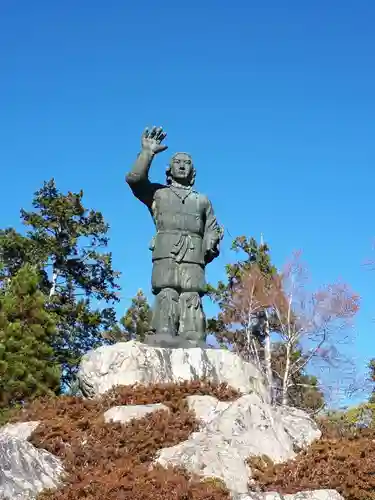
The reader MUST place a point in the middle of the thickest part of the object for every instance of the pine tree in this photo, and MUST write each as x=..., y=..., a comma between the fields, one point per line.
x=251, y=335
x=70, y=239
x=67, y=243
x=256, y=255
x=135, y=324
x=15, y=251
x=27, y=366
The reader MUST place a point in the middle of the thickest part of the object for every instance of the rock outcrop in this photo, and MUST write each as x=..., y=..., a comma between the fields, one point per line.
x=25, y=470
x=127, y=363
x=21, y=430
x=229, y=432
x=298, y=425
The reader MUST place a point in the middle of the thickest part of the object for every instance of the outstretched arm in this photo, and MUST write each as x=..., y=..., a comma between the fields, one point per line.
x=137, y=178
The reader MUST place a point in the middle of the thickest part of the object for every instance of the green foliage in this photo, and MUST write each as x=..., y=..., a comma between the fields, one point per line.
x=255, y=254
x=7, y=413
x=347, y=422
x=137, y=319
x=69, y=238
x=135, y=324
x=79, y=329
x=372, y=379
x=362, y=415
x=15, y=251
x=66, y=243
x=27, y=366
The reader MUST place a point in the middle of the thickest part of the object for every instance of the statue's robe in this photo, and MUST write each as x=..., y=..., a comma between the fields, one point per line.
x=187, y=233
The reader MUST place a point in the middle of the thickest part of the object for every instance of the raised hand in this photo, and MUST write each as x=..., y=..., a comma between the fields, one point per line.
x=152, y=140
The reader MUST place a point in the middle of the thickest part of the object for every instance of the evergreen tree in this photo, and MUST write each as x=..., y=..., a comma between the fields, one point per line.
x=27, y=365
x=66, y=242
x=255, y=255
x=70, y=239
x=15, y=251
x=135, y=324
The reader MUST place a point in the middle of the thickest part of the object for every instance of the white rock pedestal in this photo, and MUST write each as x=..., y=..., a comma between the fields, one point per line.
x=128, y=363
x=229, y=432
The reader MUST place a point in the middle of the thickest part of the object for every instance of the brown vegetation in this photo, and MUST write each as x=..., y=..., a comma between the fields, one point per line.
x=113, y=461
x=345, y=464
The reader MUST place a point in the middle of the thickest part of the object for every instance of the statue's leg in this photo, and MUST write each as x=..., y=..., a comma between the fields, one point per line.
x=192, y=326
x=192, y=318
x=165, y=316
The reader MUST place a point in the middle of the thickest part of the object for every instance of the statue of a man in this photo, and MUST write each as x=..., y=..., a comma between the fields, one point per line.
x=187, y=239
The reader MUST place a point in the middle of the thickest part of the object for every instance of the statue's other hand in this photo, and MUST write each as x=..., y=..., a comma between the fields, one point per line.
x=152, y=140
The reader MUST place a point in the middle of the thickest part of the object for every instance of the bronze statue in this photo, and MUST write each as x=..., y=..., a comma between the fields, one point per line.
x=187, y=239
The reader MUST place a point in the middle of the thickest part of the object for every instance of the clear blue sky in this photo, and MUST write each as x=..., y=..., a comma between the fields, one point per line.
x=274, y=99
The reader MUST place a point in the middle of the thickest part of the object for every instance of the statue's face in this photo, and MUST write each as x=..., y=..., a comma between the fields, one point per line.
x=181, y=167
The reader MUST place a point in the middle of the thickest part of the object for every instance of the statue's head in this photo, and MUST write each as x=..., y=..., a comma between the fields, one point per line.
x=181, y=169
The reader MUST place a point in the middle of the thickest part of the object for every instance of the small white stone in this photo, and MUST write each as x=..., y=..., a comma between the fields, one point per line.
x=20, y=430
x=126, y=413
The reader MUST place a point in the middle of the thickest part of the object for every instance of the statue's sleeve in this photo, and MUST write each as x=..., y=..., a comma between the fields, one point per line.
x=139, y=182
x=212, y=235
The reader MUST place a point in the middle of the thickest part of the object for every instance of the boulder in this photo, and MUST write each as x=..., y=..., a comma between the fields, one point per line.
x=231, y=432
x=20, y=430
x=315, y=495
x=209, y=455
x=206, y=408
x=124, y=414
x=25, y=470
x=300, y=427
x=128, y=363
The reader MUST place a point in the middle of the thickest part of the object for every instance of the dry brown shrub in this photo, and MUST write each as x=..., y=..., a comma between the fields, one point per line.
x=336, y=428
x=345, y=464
x=109, y=461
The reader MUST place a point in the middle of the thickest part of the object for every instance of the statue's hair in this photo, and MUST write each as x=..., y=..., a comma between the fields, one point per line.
x=168, y=171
